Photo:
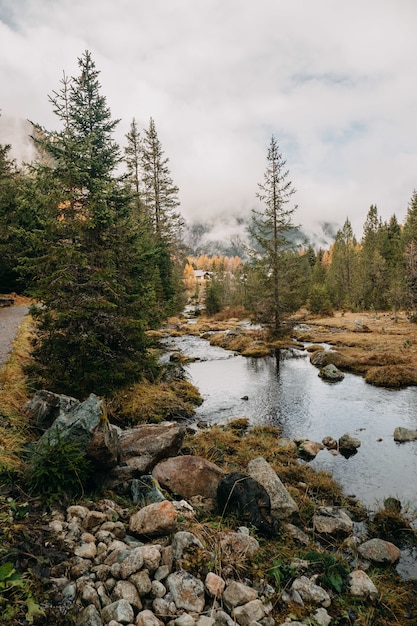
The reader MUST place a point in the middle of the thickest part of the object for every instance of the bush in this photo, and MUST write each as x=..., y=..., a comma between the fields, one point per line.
x=319, y=302
x=58, y=468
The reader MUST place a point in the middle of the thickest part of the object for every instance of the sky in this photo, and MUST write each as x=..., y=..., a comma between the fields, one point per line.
x=334, y=81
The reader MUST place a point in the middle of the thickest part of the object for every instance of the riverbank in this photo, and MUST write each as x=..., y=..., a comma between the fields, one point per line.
x=299, y=551
x=380, y=346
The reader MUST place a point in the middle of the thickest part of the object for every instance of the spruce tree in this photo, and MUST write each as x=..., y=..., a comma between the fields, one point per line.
x=160, y=198
x=90, y=336
x=270, y=230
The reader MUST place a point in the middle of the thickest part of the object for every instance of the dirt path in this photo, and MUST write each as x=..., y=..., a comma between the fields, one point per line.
x=10, y=320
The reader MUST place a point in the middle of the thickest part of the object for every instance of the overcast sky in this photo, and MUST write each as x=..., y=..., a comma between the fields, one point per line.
x=334, y=80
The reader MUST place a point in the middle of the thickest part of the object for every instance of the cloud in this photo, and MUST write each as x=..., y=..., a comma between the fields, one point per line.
x=333, y=81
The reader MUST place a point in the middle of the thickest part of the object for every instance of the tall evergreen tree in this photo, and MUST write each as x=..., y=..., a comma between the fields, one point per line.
x=340, y=277
x=90, y=331
x=270, y=229
x=160, y=198
x=372, y=271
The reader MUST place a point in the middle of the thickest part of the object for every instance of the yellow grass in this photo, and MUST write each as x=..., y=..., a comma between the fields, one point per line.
x=385, y=354
x=14, y=425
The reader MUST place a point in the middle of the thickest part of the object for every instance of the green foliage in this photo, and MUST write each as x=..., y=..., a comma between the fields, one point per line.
x=282, y=573
x=332, y=570
x=58, y=468
x=319, y=301
x=91, y=323
x=14, y=591
x=270, y=231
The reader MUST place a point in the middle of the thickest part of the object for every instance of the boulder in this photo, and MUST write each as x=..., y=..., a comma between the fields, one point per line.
x=86, y=425
x=309, y=449
x=152, y=442
x=348, y=445
x=379, y=551
x=330, y=520
x=244, y=496
x=402, y=434
x=331, y=373
x=154, y=520
x=188, y=476
x=282, y=504
x=45, y=406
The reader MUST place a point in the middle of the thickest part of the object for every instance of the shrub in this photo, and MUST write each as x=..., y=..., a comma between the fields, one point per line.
x=57, y=468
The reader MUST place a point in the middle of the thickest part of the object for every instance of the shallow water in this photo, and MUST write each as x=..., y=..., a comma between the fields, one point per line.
x=286, y=391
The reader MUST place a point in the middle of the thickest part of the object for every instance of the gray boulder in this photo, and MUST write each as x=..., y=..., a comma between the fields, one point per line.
x=331, y=373
x=85, y=424
x=402, y=434
x=282, y=504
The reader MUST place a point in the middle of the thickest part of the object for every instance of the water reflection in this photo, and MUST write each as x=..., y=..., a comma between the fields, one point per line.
x=287, y=392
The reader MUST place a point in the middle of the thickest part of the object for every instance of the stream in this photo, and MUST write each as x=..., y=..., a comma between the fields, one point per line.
x=285, y=391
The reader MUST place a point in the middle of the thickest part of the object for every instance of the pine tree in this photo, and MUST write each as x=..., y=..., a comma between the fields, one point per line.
x=90, y=331
x=341, y=274
x=270, y=231
x=160, y=198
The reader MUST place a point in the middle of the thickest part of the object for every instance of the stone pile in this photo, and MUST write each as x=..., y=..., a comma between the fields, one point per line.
x=143, y=569
x=117, y=576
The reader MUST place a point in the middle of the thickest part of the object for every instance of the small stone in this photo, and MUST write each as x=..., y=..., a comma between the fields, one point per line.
x=132, y=563
x=187, y=591
x=125, y=590
x=249, y=613
x=93, y=519
x=119, y=611
x=379, y=551
x=237, y=594
x=214, y=585
x=86, y=551
x=142, y=582
x=361, y=586
x=147, y=618
x=158, y=590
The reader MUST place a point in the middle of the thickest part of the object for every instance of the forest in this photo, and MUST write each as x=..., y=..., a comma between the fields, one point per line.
x=93, y=232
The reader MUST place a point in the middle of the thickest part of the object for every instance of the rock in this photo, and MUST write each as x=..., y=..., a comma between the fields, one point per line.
x=238, y=547
x=119, y=611
x=310, y=592
x=379, y=551
x=361, y=586
x=214, y=585
x=297, y=534
x=240, y=494
x=237, y=594
x=182, y=541
x=153, y=442
x=147, y=618
x=282, y=504
x=249, y=614
x=85, y=424
x=331, y=373
x=402, y=434
x=188, y=476
x=142, y=582
x=86, y=550
x=154, y=520
x=330, y=443
x=151, y=557
x=45, y=406
x=348, y=444
x=187, y=591
x=309, y=449
x=125, y=590
x=332, y=520
x=89, y=617
x=132, y=563
x=321, y=617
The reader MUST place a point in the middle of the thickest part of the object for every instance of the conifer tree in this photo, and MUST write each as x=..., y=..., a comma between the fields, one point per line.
x=270, y=230
x=160, y=198
x=90, y=331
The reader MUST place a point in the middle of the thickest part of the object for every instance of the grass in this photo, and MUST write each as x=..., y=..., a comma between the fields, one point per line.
x=14, y=392
x=385, y=355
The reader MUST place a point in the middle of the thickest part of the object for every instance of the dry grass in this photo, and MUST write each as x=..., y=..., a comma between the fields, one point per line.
x=385, y=353
x=14, y=426
x=153, y=403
